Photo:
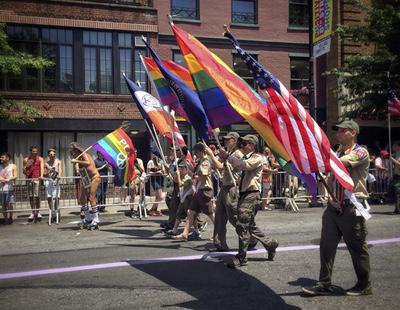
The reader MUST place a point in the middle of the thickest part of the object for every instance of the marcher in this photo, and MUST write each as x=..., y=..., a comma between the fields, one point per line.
x=8, y=175
x=395, y=183
x=186, y=190
x=228, y=195
x=202, y=199
x=266, y=178
x=89, y=181
x=102, y=167
x=340, y=219
x=53, y=173
x=34, y=171
x=249, y=201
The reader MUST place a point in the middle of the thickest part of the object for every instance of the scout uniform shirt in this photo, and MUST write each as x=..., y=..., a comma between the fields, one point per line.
x=358, y=158
x=227, y=179
x=203, y=171
x=187, y=188
x=251, y=165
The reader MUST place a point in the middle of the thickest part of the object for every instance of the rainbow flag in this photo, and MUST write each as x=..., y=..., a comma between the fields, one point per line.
x=165, y=92
x=188, y=98
x=118, y=150
x=218, y=109
x=239, y=94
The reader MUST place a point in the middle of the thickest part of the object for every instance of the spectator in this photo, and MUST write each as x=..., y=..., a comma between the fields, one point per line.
x=266, y=179
x=8, y=174
x=34, y=171
x=382, y=170
x=137, y=183
x=53, y=172
x=102, y=167
x=155, y=168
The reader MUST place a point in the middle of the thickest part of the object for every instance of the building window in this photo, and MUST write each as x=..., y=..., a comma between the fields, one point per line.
x=140, y=71
x=299, y=78
x=53, y=44
x=57, y=46
x=178, y=58
x=244, y=11
x=241, y=69
x=24, y=39
x=98, y=62
x=298, y=13
x=188, y=9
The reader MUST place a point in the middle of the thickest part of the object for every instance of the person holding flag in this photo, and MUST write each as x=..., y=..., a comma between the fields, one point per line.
x=90, y=180
x=340, y=219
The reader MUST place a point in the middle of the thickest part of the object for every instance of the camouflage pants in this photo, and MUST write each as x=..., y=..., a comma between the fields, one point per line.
x=354, y=232
x=246, y=226
x=225, y=211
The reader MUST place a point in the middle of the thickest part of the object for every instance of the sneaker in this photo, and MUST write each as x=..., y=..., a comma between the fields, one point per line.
x=271, y=249
x=202, y=228
x=31, y=217
x=355, y=291
x=10, y=220
x=236, y=262
x=318, y=290
x=154, y=213
x=194, y=236
x=39, y=217
x=171, y=232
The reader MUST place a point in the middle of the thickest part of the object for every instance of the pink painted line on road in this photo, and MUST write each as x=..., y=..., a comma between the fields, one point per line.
x=33, y=273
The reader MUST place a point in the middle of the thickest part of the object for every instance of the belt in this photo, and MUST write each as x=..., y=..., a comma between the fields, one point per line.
x=248, y=192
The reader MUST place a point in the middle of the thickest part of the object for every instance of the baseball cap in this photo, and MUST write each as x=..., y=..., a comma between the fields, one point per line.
x=348, y=124
x=232, y=135
x=251, y=138
x=384, y=153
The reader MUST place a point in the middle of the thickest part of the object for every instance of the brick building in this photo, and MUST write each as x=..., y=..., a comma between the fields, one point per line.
x=92, y=42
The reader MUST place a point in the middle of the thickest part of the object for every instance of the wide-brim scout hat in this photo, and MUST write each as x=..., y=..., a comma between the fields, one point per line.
x=251, y=139
x=348, y=124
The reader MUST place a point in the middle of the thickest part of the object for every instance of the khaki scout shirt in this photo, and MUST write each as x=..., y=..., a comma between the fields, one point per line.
x=226, y=175
x=251, y=165
x=358, y=158
x=203, y=171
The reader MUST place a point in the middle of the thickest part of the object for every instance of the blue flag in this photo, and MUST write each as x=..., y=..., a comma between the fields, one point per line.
x=188, y=98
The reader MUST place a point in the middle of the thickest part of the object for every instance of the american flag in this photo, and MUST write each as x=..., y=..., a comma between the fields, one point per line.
x=304, y=140
x=393, y=104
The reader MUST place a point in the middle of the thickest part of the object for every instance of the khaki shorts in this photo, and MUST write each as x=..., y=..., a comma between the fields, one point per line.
x=202, y=201
x=33, y=188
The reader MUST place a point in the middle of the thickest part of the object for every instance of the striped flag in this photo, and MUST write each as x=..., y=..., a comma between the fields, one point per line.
x=118, y=150
x=188, y=98
x=393, y=104
x=165, y=92
x=151, y=109
x=303, y=139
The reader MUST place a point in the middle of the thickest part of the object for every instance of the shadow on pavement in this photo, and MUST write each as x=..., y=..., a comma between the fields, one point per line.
x=214, y=286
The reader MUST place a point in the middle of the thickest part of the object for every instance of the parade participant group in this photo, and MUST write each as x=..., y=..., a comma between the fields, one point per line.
x=237, y=198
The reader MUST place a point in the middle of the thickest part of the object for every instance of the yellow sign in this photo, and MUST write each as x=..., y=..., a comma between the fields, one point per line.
x=322, y=19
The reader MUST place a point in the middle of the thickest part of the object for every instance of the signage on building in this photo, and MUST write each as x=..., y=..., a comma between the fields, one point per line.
x=322, y=26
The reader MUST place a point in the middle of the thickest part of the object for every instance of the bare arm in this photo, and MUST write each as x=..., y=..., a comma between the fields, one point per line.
x=15, y=172
x=41, y=167
x=59, y=168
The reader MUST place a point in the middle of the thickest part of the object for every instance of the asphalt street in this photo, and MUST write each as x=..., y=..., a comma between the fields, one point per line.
x=131, y=264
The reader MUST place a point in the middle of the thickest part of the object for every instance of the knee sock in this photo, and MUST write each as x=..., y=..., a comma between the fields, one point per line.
x=95, y=211
x=85, y=211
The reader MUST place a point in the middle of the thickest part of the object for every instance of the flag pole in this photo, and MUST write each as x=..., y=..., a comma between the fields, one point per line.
x=167, y=113
x=389, y=132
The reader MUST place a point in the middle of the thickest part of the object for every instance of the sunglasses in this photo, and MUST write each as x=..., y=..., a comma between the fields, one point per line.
x=52, y=154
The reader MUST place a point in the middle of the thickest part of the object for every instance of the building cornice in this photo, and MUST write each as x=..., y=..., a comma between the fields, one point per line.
x=11, y=17
x=209, y=40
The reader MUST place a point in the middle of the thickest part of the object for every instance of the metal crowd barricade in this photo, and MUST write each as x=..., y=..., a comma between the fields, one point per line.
x=378, y=186
x=114, y=195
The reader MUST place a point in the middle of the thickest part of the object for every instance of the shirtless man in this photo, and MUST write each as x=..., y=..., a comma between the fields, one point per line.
x=90, y=180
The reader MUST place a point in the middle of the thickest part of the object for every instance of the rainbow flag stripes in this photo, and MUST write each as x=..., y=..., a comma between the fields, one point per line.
x=118, y=150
